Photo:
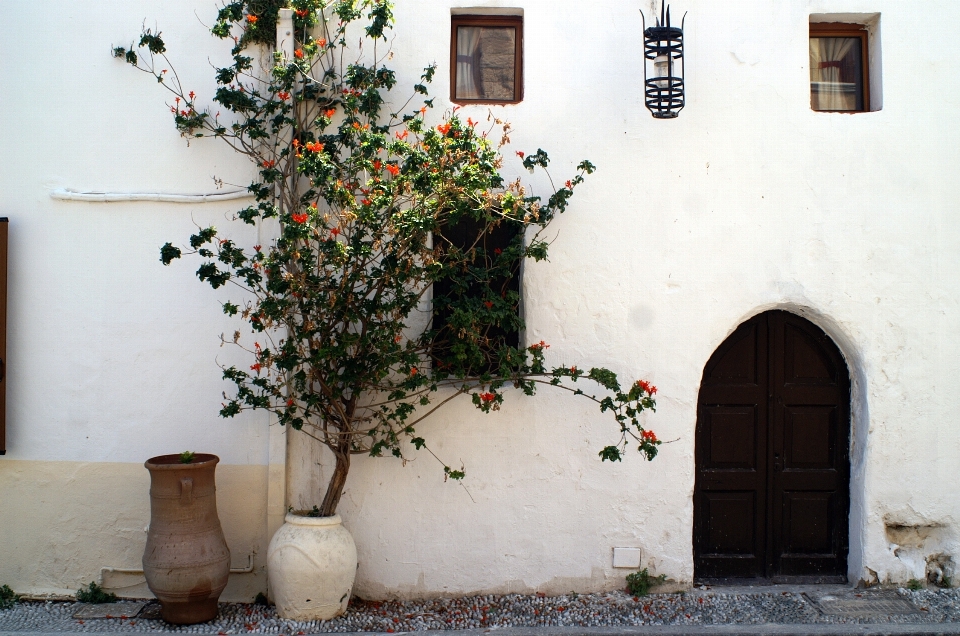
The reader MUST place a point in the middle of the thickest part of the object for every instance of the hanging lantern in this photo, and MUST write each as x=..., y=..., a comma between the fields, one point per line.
x=663, y=45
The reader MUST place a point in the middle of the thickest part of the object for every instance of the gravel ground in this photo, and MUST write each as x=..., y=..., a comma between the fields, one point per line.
x=698, y=607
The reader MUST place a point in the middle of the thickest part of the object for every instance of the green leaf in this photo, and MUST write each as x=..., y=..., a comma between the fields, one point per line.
x=610, y=453
x=168, y=252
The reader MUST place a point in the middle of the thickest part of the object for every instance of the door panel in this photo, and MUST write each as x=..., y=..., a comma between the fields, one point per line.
x=771, y=497
x=809, y=435
x=731, y=496
x=731, y=432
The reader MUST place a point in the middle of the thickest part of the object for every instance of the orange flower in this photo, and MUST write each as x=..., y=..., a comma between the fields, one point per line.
x=540, y=346
x=393, y=169
x=471, y=122
x=330, y=113
x=646, y=386
x=252, y=19
x=520, y=154
x=284, y=95
x=377, y=164
x=298, y=54
x=299, y=218
x=192, y=94
x=301, y=13
x=487, y=397
x=402, y=135
x=413, y=371
x=256, y=367
x=321, y=42
x=568, y=184
x=356, y=125
x=334, y=231
x=573, y=369
x=488, y=304
x=314, y=146
x=443, y=129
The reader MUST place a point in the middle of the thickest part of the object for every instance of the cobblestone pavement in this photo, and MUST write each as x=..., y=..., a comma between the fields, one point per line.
x=825, y=609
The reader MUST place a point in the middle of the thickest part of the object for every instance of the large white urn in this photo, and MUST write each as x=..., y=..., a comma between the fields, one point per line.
x=311, y=566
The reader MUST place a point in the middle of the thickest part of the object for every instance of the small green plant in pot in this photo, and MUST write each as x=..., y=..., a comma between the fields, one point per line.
x=380, y=208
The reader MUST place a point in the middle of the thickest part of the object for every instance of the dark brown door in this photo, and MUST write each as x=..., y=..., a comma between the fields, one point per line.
x=773, y=429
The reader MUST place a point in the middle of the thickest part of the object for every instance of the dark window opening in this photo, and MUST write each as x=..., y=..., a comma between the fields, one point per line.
x=457, y=341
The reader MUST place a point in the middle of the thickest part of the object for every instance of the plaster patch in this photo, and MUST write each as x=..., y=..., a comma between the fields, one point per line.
x=924, y=549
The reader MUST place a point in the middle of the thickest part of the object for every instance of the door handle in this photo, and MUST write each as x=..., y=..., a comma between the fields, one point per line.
x=776, y=462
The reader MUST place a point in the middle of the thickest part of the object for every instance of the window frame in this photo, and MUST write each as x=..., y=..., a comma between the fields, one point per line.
x=516, y=21
x=846, y=30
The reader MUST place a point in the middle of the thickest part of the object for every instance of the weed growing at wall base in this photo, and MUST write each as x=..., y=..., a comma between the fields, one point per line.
x=7, y=597
x=93, y=593
x=639, y=583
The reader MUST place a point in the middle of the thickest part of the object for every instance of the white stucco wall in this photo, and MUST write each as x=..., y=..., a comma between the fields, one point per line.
x=748, y=201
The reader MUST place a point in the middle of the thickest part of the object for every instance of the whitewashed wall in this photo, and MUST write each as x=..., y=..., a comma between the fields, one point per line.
x=748, y=201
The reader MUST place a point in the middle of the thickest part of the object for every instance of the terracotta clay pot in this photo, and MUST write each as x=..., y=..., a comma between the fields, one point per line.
x=186, y=561
x=311, y=566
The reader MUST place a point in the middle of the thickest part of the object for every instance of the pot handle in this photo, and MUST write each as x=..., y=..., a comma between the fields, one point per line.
x=186, y=489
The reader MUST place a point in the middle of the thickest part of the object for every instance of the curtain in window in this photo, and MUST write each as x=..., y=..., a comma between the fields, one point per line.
x=829, y=89
x=468, y=62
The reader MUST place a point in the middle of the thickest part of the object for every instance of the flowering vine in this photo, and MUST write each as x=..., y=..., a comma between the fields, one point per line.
x=377, y=212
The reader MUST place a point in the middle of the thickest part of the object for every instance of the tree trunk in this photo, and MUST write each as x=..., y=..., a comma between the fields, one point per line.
x=335, y=488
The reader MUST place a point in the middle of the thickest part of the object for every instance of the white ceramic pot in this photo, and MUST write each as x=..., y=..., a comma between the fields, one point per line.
x=311, y=566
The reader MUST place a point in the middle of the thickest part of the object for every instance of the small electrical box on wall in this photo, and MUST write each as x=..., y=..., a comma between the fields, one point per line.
x=626, y=558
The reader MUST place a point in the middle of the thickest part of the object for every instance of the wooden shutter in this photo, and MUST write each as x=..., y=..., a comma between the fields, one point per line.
x=3, y=335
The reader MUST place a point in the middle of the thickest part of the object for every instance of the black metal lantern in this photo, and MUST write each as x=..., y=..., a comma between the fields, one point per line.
x=663, y=45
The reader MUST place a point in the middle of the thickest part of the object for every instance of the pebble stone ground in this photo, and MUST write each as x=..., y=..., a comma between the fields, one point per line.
x=699, y=607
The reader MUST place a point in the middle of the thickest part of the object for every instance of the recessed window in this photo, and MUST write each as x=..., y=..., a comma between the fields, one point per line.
x=839, y=75
x=456, y=335
x=486, y=59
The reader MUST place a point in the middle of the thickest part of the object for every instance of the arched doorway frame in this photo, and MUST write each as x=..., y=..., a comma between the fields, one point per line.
x=859, y=419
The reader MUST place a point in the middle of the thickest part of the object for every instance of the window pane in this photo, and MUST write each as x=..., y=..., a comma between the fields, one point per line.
x=836, y=74
x=486, y=62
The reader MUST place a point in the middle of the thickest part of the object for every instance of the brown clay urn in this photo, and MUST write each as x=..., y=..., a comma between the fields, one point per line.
x=186, y=561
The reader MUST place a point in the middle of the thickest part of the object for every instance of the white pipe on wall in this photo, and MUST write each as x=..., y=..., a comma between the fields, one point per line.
x=62, y=194
x=245, y=570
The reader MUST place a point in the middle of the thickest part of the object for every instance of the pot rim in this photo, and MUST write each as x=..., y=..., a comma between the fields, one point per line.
x=172, y=462
x=302, y=520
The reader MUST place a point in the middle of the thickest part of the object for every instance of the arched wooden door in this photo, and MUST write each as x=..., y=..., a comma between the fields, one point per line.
x=771, y=499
